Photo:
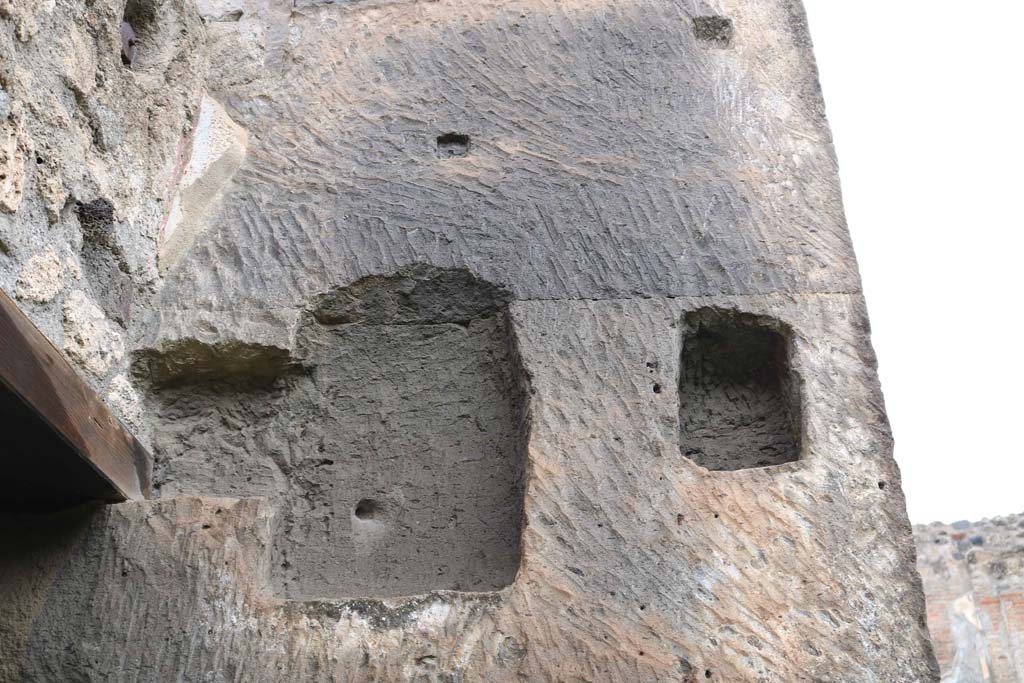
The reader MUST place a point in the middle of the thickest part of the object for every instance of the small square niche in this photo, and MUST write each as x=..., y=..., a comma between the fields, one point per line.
x=714, y=30
x=739, y=397
x=452, y=145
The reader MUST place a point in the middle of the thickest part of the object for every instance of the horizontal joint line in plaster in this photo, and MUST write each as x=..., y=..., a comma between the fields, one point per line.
x=568, y=300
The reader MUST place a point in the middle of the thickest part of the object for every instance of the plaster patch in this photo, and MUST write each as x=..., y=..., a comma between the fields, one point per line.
x=217, y=150
x=91, y=340
x=41, y=278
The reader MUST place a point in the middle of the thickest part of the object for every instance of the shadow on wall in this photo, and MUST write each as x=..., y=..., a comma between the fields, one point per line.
x=36, y=549
x=394, y=440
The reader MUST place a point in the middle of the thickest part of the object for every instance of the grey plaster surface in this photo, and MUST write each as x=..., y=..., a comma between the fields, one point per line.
x=614, y=154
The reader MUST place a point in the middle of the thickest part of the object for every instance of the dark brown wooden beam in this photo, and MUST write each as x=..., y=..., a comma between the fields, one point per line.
x=59, y=444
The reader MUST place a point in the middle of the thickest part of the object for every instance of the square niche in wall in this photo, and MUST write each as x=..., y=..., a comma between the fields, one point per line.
x=392, y=440
x=411, y=478
x=739, y=405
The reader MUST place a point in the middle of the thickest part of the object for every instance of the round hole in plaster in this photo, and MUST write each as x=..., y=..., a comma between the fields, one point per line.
x=367, y=509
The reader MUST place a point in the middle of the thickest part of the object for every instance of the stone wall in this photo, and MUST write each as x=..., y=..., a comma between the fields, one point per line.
x=89, y=149
x=974, y=584
x=474, y=340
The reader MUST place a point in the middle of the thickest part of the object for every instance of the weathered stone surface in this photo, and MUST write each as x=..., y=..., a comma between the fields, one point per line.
x=430, y=385
x=217, y=149
x=126, y=401
x=78, y=129
x=90, y=339
x=610, y=157
x=974, y=584
x=245, y=38
x=41, y=278
x=12, y=158
x=803, y=569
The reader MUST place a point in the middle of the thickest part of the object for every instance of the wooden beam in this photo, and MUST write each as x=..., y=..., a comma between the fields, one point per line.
x=59, y=444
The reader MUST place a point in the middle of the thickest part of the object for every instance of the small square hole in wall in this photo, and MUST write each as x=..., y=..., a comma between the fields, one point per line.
x=739, y=403
x=452, y=145
x=714, y=30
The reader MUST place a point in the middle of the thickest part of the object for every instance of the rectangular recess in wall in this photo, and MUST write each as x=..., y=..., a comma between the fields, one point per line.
x=738, y=398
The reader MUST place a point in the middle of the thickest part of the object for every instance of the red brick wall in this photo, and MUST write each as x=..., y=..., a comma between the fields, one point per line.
x=973, y=578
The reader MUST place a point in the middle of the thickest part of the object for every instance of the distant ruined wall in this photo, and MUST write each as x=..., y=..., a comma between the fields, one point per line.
x=973, y=577
x=473, y=340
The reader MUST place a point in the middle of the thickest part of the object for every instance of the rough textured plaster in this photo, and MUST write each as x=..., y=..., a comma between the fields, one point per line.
x=626, y=166
x=77, y=129
x=637, y=564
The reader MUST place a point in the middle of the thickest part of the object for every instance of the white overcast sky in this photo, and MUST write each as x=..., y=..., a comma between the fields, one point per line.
x=925, y=103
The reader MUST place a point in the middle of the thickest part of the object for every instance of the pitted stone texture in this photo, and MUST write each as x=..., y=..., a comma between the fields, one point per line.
x=638, y=566
x=13, y=154
x=613, y=155
x=125, y=400
x=79, y=129
x=106, y=267
x=415, y=477
x=41, y=278
x=90, y=339
x=392, y=444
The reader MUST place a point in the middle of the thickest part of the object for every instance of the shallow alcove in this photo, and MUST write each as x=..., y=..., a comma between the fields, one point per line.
x=738, y=396
x=391, y=439
x=412, y=478
x=138, y=23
